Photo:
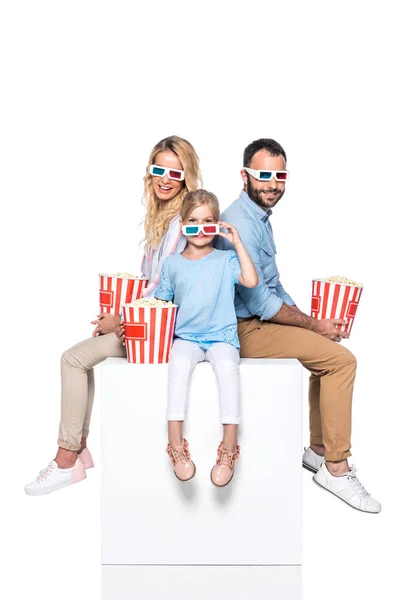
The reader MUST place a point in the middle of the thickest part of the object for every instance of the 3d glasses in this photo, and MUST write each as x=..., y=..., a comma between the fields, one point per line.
x=267, y=175
x=206, y=228
x=175, y=174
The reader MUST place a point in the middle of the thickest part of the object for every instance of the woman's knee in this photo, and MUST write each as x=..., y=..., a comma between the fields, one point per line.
x=68, y=359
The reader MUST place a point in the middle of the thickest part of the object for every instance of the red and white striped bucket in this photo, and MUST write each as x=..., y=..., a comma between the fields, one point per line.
x=117, y=290
x=149, y=332
x=335, y=301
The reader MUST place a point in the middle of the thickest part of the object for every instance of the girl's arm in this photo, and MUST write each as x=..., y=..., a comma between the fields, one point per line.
x=248, y=276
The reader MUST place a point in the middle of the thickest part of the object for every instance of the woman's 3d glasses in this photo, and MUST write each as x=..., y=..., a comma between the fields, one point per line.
x=158, y=171
x=267, y=175
x=206, y=228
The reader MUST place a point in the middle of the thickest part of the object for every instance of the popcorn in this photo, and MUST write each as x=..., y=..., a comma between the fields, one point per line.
x=124, y=275
x=340, y=279
x=150, y=302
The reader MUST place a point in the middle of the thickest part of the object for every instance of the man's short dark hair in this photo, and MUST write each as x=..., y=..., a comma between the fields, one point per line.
x=267, y=144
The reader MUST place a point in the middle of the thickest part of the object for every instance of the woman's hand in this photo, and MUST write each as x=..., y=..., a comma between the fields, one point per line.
x=232, y=236
x=105, y=324
x=120, y=333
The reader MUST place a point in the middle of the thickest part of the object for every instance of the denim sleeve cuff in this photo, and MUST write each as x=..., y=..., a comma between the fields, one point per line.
x=274, y=304
x=288, y=300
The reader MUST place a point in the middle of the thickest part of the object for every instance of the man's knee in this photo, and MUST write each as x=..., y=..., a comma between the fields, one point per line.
x=347, y=358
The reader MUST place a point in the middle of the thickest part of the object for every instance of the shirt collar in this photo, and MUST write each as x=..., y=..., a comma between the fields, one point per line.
x=260, y=212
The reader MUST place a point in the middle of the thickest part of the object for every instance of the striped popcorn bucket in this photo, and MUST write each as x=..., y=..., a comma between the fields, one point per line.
x=149, y=332
x=335, y=301
x=116, y=291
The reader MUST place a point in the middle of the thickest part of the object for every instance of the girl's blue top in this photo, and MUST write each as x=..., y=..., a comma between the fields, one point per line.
x=204, y=291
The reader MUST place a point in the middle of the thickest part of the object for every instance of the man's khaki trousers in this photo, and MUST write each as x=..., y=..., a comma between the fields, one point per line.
x=77, y=386
x=332, y=368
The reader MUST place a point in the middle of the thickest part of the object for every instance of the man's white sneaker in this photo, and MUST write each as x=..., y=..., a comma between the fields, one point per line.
x=348, y=488
x=311, y=460
x=53, y=478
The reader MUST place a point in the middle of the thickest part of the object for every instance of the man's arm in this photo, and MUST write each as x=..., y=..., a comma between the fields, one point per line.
x=291, y=315
x=259, y=300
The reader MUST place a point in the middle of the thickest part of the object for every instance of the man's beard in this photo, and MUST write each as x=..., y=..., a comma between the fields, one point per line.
x=255, y=195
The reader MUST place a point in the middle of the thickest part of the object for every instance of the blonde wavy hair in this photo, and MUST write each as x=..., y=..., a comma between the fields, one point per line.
x=193, y=200
x=160, y=213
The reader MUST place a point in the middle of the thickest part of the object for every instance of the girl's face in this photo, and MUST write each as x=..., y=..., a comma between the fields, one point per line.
x=164, y=187
x=200, y=215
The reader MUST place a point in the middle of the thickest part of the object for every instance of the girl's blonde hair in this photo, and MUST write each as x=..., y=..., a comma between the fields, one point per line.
x=192, y=200
x=159, y=213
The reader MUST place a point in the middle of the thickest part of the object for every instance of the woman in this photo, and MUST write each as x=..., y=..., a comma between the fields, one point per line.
x=173, y=170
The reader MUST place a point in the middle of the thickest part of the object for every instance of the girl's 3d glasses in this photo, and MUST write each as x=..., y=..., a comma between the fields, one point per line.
x=159, y=171
x=206, y=228
x=267, y=175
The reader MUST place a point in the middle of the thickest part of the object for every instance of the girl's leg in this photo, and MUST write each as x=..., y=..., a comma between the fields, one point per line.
x=183, y=358
x=175, y=432
x=230, y=438
x=225, y=360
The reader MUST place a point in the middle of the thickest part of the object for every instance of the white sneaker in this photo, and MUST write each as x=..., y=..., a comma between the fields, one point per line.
x=311, y=460
x=347, y=488
x=52, y=478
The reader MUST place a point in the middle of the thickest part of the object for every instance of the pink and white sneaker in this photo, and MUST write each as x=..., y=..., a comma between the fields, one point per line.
x=86, y=458
x=53, y=478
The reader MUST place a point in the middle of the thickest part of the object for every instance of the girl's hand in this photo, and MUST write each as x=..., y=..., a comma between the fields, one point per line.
x=105, y=324
x=232, y=236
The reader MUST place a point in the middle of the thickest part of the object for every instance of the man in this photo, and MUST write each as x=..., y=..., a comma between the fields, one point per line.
x=271, y=326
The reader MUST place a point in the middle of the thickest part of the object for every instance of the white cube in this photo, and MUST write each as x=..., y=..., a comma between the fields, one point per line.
x=150, y=518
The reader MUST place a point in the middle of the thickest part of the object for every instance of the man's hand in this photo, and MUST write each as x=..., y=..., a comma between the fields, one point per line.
x=105, y=324
x=291, y=315
x=328, y=329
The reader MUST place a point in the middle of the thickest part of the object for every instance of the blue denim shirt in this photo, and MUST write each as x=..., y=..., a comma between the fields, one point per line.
x=254, y=227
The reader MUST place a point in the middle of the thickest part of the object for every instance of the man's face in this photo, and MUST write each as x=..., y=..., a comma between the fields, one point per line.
x=265, y=193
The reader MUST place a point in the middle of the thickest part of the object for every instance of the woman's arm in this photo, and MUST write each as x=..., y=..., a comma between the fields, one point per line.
x=173, y=242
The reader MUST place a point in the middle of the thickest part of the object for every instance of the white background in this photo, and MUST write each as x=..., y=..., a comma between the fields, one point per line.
x=87, y=89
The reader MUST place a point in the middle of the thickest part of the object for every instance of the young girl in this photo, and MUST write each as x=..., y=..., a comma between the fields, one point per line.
x=201, y=281
x=173, y=170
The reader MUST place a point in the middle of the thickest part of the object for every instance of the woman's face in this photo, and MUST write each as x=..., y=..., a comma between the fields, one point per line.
x=164, y=187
